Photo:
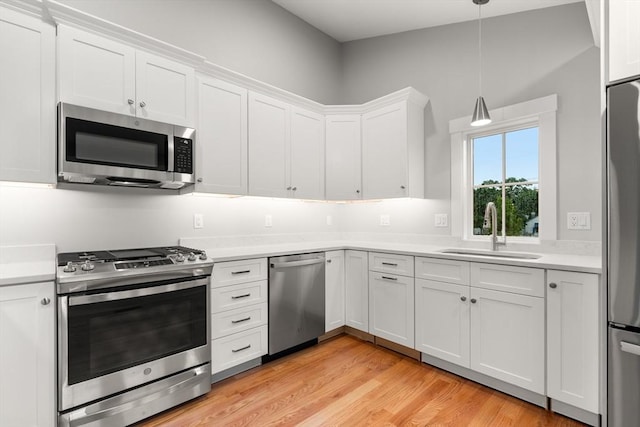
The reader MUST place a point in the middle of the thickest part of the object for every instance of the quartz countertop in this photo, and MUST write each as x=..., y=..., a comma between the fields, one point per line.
x=27, y=264
x=556, y=261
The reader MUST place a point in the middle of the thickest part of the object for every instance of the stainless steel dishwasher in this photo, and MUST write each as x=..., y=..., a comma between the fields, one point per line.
x=296, y=301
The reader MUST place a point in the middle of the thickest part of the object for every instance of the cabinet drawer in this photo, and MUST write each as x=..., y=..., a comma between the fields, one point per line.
x=240, y=319
x=235, y=349
x=443, y=270
x=518, y=280
x=246, y=270
x=390, y=263
x=237, y=296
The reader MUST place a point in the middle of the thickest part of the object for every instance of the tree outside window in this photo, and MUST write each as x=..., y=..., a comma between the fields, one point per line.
x=505, y=172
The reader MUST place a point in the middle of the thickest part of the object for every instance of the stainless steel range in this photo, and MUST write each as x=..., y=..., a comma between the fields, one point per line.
x=133, y=333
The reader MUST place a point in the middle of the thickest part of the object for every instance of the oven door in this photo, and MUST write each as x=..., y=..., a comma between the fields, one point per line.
x=112, y=341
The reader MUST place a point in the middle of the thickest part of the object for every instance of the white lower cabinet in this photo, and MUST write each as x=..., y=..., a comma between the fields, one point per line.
x=239, y=313
x=391, y=307
x=357, y=290
x=573, y=339
x=334, y=290
x=462, y=319
x=442, y=320
x=507, y=337
x=27, y=355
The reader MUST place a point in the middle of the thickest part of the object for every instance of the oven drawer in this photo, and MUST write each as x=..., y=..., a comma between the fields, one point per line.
x=232, y=272
x=240, y=319
x=237, y=296
x=391, y=263
x=235, y=349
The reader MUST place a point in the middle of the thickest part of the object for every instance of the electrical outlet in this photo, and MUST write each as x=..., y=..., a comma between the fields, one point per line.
x=329, y=220
x=268, y=221
x=198, y=220
x=579, y=221
x=385, y=220
x=442, y=220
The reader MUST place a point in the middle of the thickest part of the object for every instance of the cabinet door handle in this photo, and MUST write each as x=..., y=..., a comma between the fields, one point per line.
x=288, y=188
x=241, y=320
x=328, y=261
x=389, y=278
x=130, y=101
x=473, y=300
x=199, y=179
x=390, y=263
x=294, y=188
x=143, y=104
x=358, y=191
x=45, y=301
x=402, y=187
x=240, y=349
x=241, y=272
x=553, y=285
x=463, y=298
x=240, y=296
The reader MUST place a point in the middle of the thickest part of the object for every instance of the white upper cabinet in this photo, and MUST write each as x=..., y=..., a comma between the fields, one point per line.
x=344, y=157
x=269, y=140
x=101, y=73
x=221, y=157
x=27, y=98
x=393, y=151
x=624, y=39
x=307, y=154
x=286, y=149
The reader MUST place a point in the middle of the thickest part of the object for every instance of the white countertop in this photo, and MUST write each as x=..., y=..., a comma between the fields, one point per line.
x=27, y=264
x=568, y=262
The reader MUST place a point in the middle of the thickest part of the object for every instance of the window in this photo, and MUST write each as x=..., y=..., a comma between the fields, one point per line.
x=505, y=172
x=512, y=159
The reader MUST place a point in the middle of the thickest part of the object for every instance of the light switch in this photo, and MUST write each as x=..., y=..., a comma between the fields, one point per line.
x=198, y=220
x=442, y=220
x=579, y=221
x=385, y=220
x=268, y=221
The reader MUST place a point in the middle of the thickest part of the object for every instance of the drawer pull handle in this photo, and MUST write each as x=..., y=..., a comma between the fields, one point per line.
x=389, y=278
x=473, y=300
x=240, y=349
x=390, y=263
x=241, y=272
x=240, y=296
x=241, y=320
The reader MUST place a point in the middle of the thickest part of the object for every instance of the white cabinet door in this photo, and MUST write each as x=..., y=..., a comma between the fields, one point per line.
x=624, y=39
x=357, y=290
x=96, y=72
x=391, y=307
x=384, y=152
x=334, y=290
x=507, y=337
x=572, y=338
x=165, y=90
x=269, y=138
x=27, y=355
x=442, y=320
x=221, y=158
x=343, y=157
x=307, y=154
x=27, y=99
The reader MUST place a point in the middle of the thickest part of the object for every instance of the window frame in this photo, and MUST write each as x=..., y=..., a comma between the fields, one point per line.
x=540, y=112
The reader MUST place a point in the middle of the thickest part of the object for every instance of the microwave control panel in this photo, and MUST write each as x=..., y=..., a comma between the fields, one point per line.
x=182, y=155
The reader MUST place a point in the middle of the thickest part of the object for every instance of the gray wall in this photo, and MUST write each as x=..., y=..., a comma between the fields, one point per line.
x=254, y=37
x=525, y=56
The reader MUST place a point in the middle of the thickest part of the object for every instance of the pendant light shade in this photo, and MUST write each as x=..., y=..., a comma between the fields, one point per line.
x=480, y=112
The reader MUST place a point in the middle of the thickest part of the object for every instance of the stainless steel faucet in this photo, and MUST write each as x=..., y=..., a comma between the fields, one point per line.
x=490, y=215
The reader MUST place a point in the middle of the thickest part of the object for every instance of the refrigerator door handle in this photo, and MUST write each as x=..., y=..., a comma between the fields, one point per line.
x=630, y=348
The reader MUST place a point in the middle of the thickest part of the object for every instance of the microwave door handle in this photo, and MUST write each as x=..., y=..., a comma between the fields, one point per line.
x=134, y=293
x=171, y=152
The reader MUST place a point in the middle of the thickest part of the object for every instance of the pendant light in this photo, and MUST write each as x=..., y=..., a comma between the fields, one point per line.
x=480, y=113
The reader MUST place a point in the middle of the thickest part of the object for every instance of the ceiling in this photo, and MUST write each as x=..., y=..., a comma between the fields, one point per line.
x=347, y=20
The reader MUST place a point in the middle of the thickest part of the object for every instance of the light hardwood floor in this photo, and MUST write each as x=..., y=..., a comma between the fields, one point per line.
x=349, y=382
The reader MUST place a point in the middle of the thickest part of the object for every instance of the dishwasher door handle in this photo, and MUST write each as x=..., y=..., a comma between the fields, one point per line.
x=297, y=263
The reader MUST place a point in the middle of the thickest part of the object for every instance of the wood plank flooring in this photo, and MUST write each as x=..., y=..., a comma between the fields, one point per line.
x=349, y=382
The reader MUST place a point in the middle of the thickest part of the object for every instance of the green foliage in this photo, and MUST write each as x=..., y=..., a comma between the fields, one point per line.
x=521, y=206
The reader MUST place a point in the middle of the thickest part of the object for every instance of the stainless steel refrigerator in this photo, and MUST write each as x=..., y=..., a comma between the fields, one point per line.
x=623, y=254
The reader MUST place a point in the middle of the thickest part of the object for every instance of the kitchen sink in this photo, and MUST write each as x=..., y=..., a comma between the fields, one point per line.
x=493, y=254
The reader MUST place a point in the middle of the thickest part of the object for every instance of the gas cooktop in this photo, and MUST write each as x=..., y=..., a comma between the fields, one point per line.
x=180, y=253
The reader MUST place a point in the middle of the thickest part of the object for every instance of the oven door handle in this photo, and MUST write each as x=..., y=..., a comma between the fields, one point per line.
x=135, y=293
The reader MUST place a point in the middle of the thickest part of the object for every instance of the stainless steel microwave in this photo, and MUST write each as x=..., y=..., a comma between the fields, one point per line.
x=99, y=147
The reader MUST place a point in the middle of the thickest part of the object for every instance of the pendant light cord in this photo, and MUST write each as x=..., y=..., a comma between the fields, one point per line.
x=480, y=49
